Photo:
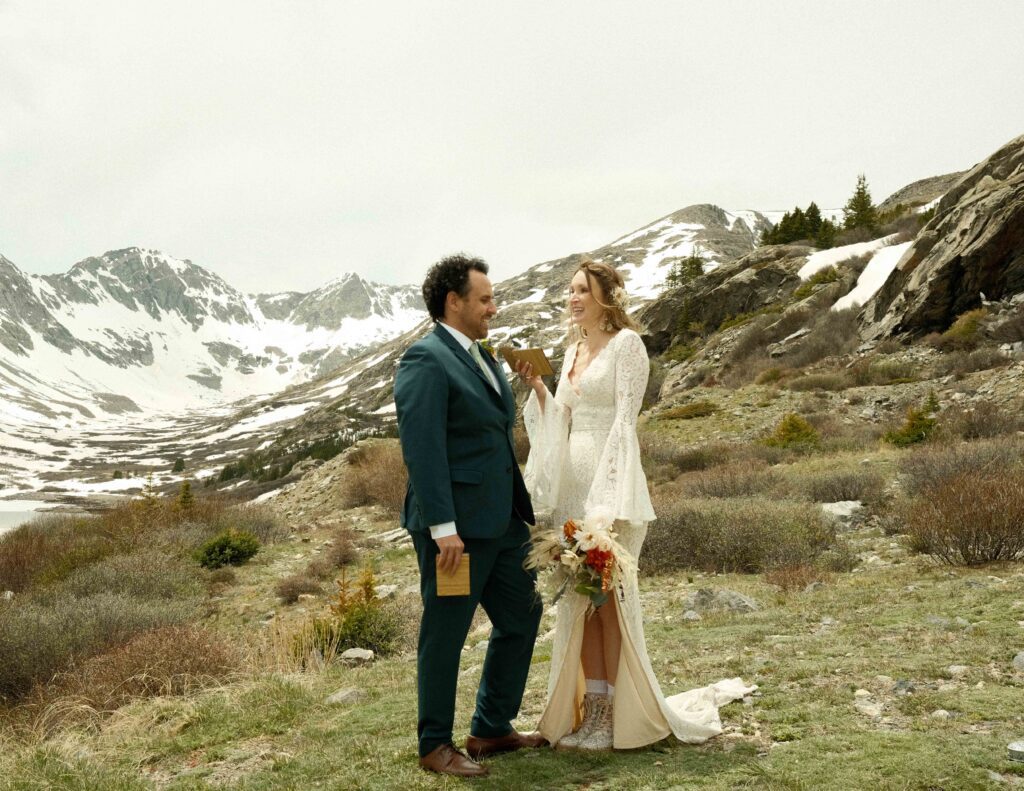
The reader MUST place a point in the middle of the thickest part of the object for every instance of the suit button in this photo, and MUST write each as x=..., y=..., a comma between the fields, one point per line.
x=508, y=469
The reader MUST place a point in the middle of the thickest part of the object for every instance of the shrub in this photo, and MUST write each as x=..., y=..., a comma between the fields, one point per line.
x=149, y=574
x=741, y=478
x=257, y=519
x=37, y=640
x=971, y=518
x=979, y=420
x=657, y=451
x=929, y=467
x=876, y=372
x=49, y=548
x=739, y=535
x=689, y=411
x=171, y=660
x=833, y=333
x=375, y=475
x=961, y=363
x=919, y=425
x=291, y=587
x=230, y=548
x=832, y=486
x=964, y=334
x=827, y=275
x=794, y=432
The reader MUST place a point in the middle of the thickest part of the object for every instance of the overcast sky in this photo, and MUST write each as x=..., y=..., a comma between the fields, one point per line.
x=280, y=144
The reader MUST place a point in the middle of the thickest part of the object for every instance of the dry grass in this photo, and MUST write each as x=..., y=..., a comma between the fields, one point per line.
x=928, y=467
x=795, y=577
x=173, y=660
x=980, y=420
x=834, y=485
x=376, y=475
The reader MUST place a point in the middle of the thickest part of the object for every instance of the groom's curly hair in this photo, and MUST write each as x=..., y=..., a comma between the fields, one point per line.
x=451, y=273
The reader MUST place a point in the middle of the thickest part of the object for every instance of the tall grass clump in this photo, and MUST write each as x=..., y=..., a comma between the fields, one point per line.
x=170, y=660
x=747, y=535
x=375, y=475
x=835, y=485
x=980, y=420
x=929, y=467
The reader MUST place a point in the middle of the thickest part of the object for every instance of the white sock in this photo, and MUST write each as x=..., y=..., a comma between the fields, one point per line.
x=597, y=686
x=611, y=691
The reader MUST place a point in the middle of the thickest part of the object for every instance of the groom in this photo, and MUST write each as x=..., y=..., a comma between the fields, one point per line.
x=465, y=496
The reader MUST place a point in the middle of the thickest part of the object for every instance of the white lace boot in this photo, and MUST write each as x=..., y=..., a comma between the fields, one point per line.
x=599, y=737
x=590, y=710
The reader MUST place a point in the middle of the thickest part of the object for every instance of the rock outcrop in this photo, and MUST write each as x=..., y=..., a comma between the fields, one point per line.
x=972, y=250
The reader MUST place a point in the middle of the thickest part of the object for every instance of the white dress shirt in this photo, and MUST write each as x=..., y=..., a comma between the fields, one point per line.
x=448, y=528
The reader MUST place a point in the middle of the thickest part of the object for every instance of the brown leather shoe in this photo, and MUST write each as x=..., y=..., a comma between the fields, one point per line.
x=448, y=761
x=479, y=747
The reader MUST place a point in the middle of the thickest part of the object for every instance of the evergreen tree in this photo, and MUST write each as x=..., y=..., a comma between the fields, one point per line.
x=179, y=465
x=185, y=497
x=813, y=220
x=859, y=211
x=686, y=270
x=826, y=235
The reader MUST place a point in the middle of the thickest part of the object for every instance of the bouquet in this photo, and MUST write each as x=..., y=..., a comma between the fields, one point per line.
x=586, y=557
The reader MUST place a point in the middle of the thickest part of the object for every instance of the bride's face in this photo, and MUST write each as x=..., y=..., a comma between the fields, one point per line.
x=584, y=304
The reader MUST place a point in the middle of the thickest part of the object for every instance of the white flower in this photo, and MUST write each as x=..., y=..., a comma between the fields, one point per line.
x=587, y=539
x=605, y=540
x=571, y=560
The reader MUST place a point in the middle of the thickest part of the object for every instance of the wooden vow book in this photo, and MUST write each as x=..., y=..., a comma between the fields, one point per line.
x=536, y=358
x=456, y=584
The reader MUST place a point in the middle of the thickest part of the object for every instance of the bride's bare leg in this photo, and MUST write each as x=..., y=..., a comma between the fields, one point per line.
x=611, y=638
x=593, y=652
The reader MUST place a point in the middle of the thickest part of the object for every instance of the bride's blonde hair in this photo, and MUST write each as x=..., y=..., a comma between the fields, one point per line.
x=614, y=298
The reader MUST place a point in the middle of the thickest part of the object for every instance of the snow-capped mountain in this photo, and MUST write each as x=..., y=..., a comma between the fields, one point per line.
x=136, y=330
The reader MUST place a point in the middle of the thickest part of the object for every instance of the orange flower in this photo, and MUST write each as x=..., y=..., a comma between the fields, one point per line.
x=569, y=530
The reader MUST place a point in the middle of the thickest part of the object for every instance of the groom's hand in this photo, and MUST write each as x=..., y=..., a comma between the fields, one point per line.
x=451, y=553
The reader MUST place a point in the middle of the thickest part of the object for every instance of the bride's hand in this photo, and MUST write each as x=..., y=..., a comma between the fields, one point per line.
x=526, y=375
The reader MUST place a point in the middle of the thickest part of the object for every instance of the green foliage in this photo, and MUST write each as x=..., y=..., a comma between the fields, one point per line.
x=686, y=270
x=964, y=334
x=179, y=465
x=827, y=275
x=690, y=411
x=743, y=318
x=793, y=431
x=230, y=548
x=679, y=352
x=186, y=500
x=919, y=425
x=800, y=225
x=118, y=475
x=859, y=211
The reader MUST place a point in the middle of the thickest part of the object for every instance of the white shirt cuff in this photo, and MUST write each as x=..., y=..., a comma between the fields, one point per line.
x=442, y=530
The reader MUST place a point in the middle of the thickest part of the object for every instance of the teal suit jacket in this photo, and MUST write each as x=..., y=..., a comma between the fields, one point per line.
x=456, y=433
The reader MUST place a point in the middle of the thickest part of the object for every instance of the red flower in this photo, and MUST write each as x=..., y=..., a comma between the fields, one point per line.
x=569, y=530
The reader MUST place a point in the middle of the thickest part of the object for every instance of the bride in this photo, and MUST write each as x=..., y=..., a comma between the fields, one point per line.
x=585, y=458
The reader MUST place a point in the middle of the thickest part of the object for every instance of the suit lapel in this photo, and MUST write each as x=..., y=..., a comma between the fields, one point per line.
x=506, y=391
x=449, y=340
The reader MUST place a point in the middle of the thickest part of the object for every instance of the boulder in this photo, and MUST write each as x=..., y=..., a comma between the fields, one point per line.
x=357, y=656
x=708, y=600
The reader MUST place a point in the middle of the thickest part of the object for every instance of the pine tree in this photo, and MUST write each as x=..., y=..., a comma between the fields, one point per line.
x=185, y=497
x=813, y=220
x=826, y=235
x=686, y=270
x=859, y=211
x=179, y=465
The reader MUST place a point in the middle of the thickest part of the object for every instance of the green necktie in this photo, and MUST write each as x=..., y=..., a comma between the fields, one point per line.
x=476, y=354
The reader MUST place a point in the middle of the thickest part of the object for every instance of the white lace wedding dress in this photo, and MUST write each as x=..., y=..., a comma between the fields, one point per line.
x=584, y=455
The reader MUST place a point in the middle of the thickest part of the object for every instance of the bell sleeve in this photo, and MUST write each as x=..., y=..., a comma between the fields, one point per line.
x=548, y=431
x=619, y=489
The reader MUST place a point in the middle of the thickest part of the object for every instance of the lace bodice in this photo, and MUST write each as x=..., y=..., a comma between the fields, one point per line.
x=584, y=449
